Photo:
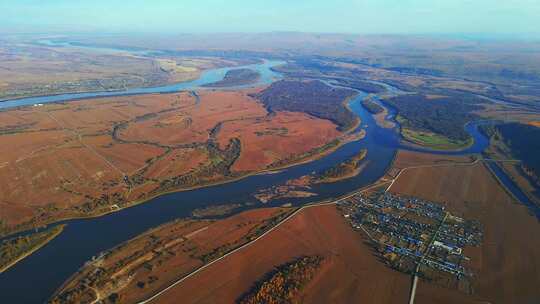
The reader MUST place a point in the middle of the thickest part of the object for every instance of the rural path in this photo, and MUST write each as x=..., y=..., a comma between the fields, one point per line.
x=285, y=220
x=428, y=250
x=92, y=150
x=98, y=295
x=79, y=138
x=449, y=165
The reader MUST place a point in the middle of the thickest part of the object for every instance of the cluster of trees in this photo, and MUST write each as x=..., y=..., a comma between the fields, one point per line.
x=343, y=169
x=363, y=86
x=445, y=116
x=524, y=142
x=104, y=200
x=12, y=249
x=285, y=283
x=371, y=106
x=311, y=97
x=416, y=71
x=220, y=164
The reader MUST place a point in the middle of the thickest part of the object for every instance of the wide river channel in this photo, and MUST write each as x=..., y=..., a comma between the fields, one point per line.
x=34, y=279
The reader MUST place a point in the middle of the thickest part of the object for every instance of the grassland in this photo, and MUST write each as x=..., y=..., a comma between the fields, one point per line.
x=434, y=141
x=92, y=157
x=15, y=249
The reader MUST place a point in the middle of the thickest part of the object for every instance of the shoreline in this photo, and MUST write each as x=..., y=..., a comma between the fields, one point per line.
x=409, y=142
x=342, y=140
x=34, y=249
x=166, y=83
x=134, y=203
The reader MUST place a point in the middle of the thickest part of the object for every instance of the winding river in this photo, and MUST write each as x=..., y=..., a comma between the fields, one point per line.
x=35, y=278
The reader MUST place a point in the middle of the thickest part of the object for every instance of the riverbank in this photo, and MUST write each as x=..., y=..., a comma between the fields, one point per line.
x=143, y=265
x=433, y=141
x=33, y=241
x=70, y=214
x=344, y=170
x=58, y=262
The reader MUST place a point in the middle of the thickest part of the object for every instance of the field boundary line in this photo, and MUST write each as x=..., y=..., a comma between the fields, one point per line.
x=479, y=160
x=285, y=220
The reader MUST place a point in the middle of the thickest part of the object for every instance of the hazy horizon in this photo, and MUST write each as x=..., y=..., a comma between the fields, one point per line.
x=422, y=17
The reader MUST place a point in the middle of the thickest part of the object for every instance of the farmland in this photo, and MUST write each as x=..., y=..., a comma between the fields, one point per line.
x=91, y=157
x=504, y=267
x=349, y=272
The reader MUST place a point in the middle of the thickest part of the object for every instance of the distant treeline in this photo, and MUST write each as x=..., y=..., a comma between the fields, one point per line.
x=524, y=141
x=311, y=97
x=416, y=71
x=445, y=116
x=361, y=85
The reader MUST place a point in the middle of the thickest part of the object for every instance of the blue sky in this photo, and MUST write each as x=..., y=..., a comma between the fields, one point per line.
x=351, y=16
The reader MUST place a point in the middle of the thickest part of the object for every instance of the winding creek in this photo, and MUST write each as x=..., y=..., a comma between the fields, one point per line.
x=35, y=278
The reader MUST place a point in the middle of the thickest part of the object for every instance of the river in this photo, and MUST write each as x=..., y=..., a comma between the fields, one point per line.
x=34, y=279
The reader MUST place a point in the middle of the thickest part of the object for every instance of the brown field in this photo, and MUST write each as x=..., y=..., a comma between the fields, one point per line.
x=76, y=154
x=506, y=264
x=30, y=70
x=191, y=122
x=405, y=159
x=352, y=275
x=265, y=140
x=180, y=161
x=535, y=123
x=148, y=263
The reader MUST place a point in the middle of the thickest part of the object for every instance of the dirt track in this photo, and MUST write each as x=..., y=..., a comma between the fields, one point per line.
x=354, y=274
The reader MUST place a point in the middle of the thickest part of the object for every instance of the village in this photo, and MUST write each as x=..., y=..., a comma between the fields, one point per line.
x=416, y=236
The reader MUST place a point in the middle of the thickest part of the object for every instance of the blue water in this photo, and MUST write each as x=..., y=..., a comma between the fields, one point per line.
x=210, y=76
x=35, y=278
